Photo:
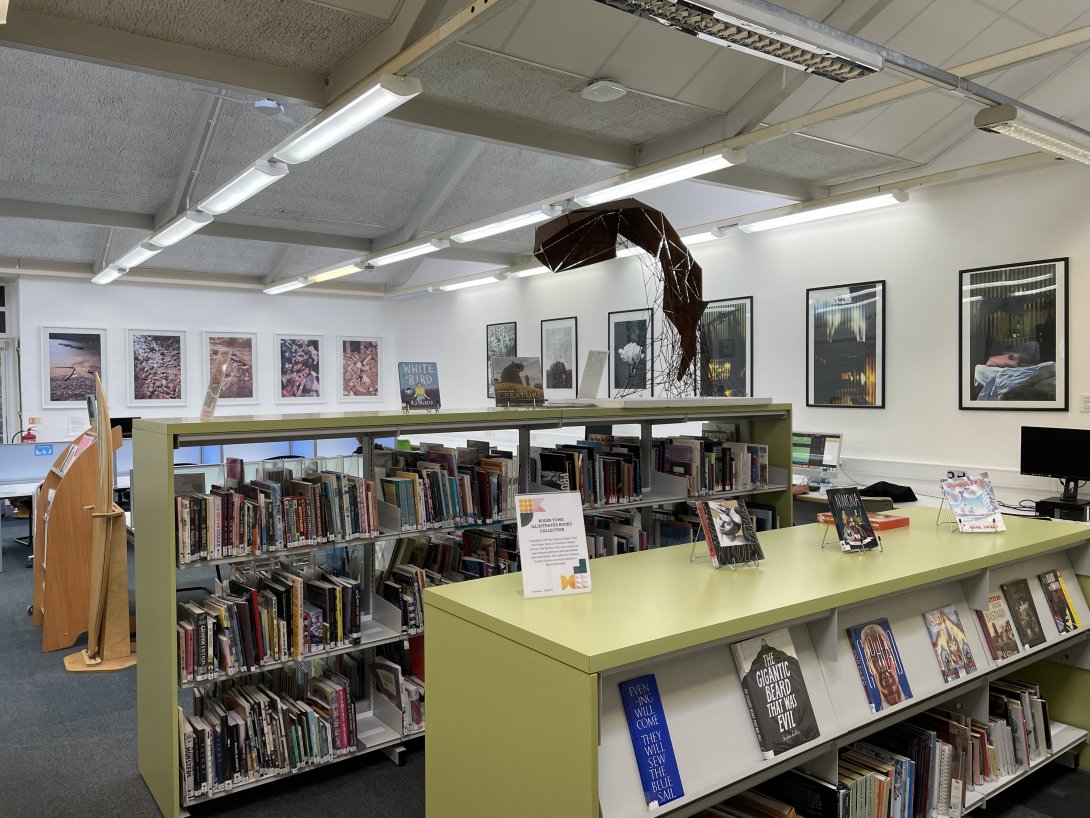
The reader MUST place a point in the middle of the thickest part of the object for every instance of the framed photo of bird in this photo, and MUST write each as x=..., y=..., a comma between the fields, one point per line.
x=70, y=359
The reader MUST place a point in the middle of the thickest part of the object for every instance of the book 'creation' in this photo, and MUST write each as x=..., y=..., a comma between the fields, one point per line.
x=973, y=501
x=950, y=643
x=729, y=532
x=775, y=692
x=879, y=663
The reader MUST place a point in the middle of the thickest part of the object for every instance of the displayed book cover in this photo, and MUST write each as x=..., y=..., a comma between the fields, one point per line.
x=998, y=628
x=729, y=532
x=879, y=663
x=419, y=384
x=643, y=708
x=853, y=528
x=948, y=639
x=1024, y=612
x=775, y=692
x=518, y=381
x=972, y=499
x=1059, y=601
x=879, y=520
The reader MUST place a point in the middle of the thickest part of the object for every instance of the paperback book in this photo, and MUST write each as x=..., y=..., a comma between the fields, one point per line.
x=518, y=381
x=775, y=692
x=419, y=384
x=972, y=499
x=1063, y=610
x=879, y=663
x=729, y=532
x=651, y=743
x=998, y=628
x=853, y=528
x=950, y=643
x=1024, y=612
x=879, y=520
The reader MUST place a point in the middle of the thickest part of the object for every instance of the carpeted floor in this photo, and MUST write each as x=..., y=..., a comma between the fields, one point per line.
x=68, y=745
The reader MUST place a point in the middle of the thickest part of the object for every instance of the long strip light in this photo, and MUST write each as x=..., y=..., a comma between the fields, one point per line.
x=408, y=252
x=336, y=271
x=137, y=256
x=811, y=214
x=473, y=282
x=1053, y=136
x=528, y=271
x=335, y=124
x=715, y=234
x=108, y=275
x=763, y=30
x=249, y=183
x=635, y=182
x=287, y=286
x=510, y=223
x=177, y=229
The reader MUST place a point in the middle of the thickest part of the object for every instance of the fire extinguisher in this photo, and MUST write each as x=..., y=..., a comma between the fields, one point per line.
x=28, y=435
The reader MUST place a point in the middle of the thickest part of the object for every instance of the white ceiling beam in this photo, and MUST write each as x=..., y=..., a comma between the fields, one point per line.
x=204, y=126
x=107, y=46
x=279, y=235
x=740, y=177
x=463, y=253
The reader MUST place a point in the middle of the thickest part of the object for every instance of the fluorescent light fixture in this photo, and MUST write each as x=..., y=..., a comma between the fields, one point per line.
x=705, y=236
x=177, y=229
x=336, y=271
x=765, y=31
x=408, y=252
x=341, y=121
x=510, y=223
x=108, y=275
x=891, y=197
x=475, y=282
x=1048, y=134
x=287, y=286
x=635, y=182
x=527, y=272
x=249, y=183
x=137, y=256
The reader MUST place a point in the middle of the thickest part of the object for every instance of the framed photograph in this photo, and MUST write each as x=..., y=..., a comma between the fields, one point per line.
x=560, y=357
x=500, y=341
x=156, y=367
x=240, y=379
x=70, y=359
x=360, y=368
x=845, y=345
x=300, y=369
x=724, y=350
x=1012, y=345
x=631, y=354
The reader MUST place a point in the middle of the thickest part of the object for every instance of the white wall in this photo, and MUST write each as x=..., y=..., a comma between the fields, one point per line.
x=120, y=307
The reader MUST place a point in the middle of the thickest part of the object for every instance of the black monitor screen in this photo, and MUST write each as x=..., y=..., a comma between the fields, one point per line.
x=1053, y=452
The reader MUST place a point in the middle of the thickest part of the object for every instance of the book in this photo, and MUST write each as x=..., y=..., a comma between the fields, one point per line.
x=949, y=642
x=998, y=630
x=853, y=528
x=810, y=795
x=419, y=384
x=729, y=532
x=518, y=381
x=879, y=520
x=643, y=707
x=775, y=692
x=879, y=664
x=1024, y=612
x=973, y=501
x=1064, y=615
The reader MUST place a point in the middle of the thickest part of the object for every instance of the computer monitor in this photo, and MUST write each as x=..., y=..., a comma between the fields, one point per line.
x=816, y=451
x=1060, y=453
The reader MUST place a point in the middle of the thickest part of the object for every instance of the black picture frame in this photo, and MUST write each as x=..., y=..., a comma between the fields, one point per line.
x=561, y=382
x=500, y=341
x=1013, y=336
x=846, y=345
x=724, y=353
x=631, y=377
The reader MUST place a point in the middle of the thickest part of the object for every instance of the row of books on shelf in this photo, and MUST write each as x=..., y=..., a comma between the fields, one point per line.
x=267, y=616
x=924, y=766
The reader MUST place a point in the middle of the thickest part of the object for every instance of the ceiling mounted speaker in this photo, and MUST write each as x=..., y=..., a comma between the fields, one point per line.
x=603, y=91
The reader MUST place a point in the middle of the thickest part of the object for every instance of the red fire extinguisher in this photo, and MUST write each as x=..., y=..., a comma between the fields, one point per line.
x=28, y=435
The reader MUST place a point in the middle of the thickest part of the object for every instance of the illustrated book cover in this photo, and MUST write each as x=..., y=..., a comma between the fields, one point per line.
x=775, y=692
x=419, y=384
x=879, y=663
x=518, y=381
x=1063, y=611
x=879, y=520
x=972, y=499
x=998, y=628
x=950, y=643
x=1024, y=612
x=643, y=708
x=853, y=527
x=729, y=532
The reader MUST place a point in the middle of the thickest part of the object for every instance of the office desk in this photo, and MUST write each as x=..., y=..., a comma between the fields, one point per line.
x=12, y=491
x=806, y=506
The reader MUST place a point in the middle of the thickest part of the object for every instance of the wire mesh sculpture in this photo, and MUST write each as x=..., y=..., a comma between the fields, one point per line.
x=672, y=278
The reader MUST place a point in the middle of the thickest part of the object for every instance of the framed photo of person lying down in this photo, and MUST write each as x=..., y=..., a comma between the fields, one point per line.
x=1012, y=345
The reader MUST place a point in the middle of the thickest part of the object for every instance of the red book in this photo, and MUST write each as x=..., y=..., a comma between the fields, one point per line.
x=879, y=520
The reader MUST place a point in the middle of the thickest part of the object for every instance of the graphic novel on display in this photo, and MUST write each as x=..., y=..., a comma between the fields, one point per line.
x=1064, y=615
x=998, y=628
x=1024, y=612
x=950, y=643
x=775, y=692
x=419, y=384
x=517, y=381
x=879, y=664
x=972, y=499
x=853, y=528
x=729, y=532
x=643, y=707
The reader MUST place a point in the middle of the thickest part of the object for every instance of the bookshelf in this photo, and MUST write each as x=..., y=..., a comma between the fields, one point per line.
x=158, y=574
x=564, y=735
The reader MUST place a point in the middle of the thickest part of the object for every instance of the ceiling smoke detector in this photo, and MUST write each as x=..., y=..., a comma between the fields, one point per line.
x=603, y=91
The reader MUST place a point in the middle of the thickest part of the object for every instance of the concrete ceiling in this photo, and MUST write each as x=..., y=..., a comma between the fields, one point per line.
x=113, y=115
